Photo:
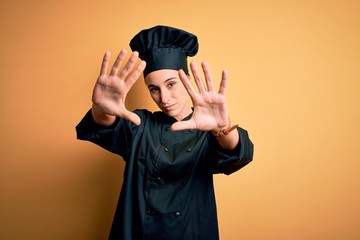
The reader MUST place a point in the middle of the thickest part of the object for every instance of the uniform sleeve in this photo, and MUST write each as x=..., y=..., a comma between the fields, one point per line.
x=231, y=161
x=115, y=138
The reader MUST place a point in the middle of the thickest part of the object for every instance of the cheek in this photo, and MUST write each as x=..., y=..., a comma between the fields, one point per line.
x=154, y=97
x=182, y=92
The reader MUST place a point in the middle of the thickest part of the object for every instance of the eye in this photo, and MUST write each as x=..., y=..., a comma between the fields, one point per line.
x=153, y=89
x=171, y=84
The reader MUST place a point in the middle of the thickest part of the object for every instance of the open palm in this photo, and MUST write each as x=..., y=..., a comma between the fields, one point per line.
x=110, y=90
x=210, y=107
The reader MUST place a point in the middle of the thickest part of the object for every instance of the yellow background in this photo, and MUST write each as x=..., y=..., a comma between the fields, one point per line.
x=294, y=85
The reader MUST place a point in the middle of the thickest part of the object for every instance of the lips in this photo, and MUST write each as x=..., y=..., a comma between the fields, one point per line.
x=168, y=107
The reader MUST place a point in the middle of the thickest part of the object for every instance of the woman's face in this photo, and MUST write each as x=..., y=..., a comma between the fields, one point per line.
x=169, y=93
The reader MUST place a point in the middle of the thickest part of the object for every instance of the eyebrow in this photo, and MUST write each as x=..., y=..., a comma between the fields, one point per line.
x=171, y=78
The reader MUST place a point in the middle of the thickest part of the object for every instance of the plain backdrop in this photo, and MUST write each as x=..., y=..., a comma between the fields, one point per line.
x=294, y=69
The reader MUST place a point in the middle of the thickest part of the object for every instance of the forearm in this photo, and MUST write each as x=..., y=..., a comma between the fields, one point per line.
x=102, y=118
x=228, y=138
x=229, y=141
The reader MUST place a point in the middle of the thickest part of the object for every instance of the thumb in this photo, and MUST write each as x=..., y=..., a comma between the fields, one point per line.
x=132, y=117
x=183, y=125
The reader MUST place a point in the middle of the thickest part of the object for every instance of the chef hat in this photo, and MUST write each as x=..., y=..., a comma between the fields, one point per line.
x=163, y=47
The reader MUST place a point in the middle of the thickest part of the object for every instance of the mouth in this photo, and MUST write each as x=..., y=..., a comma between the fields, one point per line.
x=168, y=107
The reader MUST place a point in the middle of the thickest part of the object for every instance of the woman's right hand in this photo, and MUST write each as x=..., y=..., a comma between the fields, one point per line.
x=110, y=90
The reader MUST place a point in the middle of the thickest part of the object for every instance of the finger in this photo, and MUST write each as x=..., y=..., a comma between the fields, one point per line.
x=136, y=73
x=197, y=77
x=183, y=125
x=129, y=65
x=224, y=78
x=132, y=117
x=208, y=77
x=118, y=62
x=187, y=84
x=105, y=63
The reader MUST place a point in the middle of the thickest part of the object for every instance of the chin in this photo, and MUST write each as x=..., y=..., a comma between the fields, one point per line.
x=170, y=113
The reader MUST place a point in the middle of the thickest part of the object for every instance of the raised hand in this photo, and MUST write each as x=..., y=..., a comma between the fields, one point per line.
x=210, y=108
x=110, y=90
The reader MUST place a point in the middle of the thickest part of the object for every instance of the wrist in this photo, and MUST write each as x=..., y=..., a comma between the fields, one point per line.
x=224, y=132
x=101, y=117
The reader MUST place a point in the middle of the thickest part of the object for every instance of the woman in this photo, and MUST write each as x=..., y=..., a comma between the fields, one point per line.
x=171, y=155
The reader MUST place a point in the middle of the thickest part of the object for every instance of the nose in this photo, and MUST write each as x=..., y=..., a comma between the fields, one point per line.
x=165, y=96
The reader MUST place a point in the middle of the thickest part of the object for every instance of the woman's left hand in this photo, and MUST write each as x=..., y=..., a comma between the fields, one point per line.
x=210, y=108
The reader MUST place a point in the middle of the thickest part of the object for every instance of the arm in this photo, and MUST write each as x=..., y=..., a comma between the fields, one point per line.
x=115, y=138
x=111, y=89
x=227, y=161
